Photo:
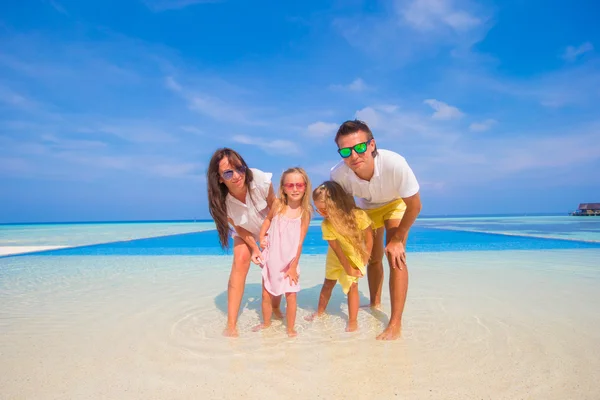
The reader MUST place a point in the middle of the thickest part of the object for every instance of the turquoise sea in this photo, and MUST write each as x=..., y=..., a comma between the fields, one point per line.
x=498, y=307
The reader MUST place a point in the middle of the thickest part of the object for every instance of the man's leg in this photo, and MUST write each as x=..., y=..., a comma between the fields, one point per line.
x=398, y=289
x=375, y=268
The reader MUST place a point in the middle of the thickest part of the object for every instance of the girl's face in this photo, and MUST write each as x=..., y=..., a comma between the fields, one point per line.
x=294, y=186
x=320, y=206
x=232, y=175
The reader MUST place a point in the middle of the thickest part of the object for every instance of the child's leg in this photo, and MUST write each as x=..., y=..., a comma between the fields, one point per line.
x=276, y=302
x=290, y=301
x=267, y=309
x=353, y=300
x=324, y=297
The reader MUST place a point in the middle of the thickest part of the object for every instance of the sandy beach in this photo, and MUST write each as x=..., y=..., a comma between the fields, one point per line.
x=485, y=325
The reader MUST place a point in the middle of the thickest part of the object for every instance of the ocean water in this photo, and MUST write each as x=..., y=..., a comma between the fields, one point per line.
x=200, y=238
x=503, y=315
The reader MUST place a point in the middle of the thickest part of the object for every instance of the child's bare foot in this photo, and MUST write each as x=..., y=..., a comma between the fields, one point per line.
x=392, y=332
x=352, y=326
x=292, y=333
x=372, y=306
x=262, y=326
x=230, y=331
x=313, y=316
x=277, y=314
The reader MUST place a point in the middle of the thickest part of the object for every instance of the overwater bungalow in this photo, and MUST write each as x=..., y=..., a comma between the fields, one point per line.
x=587, y=210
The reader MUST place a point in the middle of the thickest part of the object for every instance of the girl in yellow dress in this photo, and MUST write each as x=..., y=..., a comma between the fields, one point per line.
x=348, y=231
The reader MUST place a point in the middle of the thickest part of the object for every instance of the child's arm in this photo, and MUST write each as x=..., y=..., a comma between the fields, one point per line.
x=337, y=249
x=249, y=239
x=262, y=236
x=293, y=270
x=368, y=242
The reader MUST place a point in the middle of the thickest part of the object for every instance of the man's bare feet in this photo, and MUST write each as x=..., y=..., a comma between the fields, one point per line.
x=262, y=326
x=230, y=331
x=277, y=314
x=392, y=332
x=352, y=326
x=292, y=333
x=313, y=316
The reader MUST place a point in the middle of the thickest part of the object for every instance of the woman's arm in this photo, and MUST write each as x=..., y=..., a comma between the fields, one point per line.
x=250, y=241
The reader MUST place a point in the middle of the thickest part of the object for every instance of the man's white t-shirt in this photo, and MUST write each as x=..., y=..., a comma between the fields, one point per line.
x=393, y=179
x=252, y=214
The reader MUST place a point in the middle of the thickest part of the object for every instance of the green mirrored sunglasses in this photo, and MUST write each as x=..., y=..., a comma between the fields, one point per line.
x=359, y=148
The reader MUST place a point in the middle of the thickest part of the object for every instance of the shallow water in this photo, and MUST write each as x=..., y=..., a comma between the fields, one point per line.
x=493, y=324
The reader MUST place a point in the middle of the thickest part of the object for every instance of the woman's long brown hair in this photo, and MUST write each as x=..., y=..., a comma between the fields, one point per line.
x=217, y=191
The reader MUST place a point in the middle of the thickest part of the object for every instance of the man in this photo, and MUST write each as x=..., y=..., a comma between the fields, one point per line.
x=386, y=188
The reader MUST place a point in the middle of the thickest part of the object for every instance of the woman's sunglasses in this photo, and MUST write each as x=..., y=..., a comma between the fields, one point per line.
x=299, y=186
x=228, y=174
x=358, y=148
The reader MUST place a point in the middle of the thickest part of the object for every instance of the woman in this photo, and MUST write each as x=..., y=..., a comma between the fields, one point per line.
x=241, y=197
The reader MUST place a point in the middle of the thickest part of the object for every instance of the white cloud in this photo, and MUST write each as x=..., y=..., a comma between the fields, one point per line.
x=210, y=106
x=322, y=129
x=136, y=132
x=569, y=86
x=164, y=5
x=176, y=170
x=572, y=53
x=278, y=146
x=393, y=122
x=483, y=125
x=191, y=129
x=357, y=85
x=173, y=84
x=428, y=15
x=58, y=7
x=443, y=111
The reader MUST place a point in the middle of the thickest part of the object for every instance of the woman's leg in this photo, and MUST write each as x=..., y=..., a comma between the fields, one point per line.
x=237, y=282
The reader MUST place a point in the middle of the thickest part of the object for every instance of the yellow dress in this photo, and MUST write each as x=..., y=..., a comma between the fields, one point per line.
x=333, y=267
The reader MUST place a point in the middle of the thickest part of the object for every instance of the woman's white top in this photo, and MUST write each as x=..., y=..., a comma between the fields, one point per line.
x=251, y=214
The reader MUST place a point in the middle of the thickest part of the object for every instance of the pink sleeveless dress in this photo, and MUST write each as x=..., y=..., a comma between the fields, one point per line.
x=284, y=238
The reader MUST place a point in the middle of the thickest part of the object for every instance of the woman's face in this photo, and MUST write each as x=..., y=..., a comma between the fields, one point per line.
x=232, y=174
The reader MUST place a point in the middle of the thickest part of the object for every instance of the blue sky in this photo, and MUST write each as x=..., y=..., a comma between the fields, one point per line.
x=110, y=110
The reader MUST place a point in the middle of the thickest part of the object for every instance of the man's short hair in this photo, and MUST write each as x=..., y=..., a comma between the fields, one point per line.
x=352, y=126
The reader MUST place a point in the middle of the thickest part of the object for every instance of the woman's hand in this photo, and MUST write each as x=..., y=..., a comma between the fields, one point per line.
x=257, y=257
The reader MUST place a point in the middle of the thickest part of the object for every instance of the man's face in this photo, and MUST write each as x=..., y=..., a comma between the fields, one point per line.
x=358, y=162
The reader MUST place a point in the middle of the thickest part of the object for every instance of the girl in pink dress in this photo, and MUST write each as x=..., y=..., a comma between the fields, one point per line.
x=281, y=238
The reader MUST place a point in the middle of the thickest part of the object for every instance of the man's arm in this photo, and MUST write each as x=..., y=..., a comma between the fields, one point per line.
x=413, y=208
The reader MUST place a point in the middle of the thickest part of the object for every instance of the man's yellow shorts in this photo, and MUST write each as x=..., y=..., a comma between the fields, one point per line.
x=393, y=210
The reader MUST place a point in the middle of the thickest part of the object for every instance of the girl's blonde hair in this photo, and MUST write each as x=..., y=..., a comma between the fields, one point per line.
x=340, y=207
x=283, y=201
